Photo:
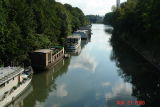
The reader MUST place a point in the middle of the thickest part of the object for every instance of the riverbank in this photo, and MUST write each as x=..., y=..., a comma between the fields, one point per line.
x=138, y=26
x=29, y=25
x=148, y=57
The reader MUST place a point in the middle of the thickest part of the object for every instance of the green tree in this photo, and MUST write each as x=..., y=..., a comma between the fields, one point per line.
x=26, y=25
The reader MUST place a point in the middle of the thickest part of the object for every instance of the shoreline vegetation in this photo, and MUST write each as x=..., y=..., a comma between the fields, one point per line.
x=95, y=19
x=27, y=25
x=137, y=24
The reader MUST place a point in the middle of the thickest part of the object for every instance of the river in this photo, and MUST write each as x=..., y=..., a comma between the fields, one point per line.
x=100, y=75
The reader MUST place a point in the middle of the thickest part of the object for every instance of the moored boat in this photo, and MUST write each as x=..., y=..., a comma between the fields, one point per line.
x=82, y=33
x=43, y=59
x=73, y=42
x=88, y=28
x=76, y=52
x=13, y=81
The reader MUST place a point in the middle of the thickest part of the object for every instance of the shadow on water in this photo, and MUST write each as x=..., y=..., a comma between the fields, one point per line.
x=85, y=42
x=44, y=83
x=75, y=52
x=19, y=102
x=109, y=29
x=145, y=79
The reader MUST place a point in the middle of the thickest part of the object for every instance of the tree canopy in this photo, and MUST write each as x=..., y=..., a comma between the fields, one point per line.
x=137, y=23
x=26, y=25
x=95, y=18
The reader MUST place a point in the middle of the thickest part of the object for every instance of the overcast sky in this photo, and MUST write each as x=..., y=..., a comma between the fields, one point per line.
x=96, y=7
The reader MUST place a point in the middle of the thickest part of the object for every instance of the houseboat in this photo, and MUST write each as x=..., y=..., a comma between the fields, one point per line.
x=87, y=28
x=76, y=52
x=73, y=42
x=82, y=33
x=13, y=81
x=19, y=102
x=43, y=59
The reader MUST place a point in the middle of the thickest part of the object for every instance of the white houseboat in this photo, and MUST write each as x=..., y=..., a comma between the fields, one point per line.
x=82, y=33
x=13, y=81
x=73, y=42
x=88, y=28
x=76, y=52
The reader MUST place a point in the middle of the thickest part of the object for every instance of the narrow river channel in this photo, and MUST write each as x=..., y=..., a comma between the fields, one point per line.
x=99, y=76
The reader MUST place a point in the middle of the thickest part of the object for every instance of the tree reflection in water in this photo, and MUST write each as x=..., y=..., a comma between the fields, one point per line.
x=137, y=71
x=44, y=83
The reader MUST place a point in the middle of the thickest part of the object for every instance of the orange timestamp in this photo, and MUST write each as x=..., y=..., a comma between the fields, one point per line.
x=130, y=102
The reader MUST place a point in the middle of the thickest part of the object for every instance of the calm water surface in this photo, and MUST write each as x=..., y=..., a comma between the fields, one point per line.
x=98, y=76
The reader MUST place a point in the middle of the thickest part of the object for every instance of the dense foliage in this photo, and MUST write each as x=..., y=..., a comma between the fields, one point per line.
x=108, y=18
x=137, y=23
x=95, y=18
x=26, y=25
x=136, y=70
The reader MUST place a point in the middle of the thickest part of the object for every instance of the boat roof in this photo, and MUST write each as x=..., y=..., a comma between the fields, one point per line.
x=81, y=33
x=81, y=30
x=7, y=73
x=74, y=36
x=43, y=50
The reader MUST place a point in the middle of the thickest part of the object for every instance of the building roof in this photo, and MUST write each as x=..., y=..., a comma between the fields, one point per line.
x=43, y=50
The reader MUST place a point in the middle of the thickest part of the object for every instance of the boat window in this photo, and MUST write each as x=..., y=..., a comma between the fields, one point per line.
x=49, y=57
x=2, y=85
x=13, y=78
x=7, y=82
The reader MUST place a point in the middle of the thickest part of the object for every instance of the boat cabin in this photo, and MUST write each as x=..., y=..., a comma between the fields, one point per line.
x=74, y=39
x=13, y=81
x=43, y=58
x=82, y=33
x=73, y=42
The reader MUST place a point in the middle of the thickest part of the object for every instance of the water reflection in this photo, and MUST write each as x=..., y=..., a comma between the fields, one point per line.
x=44, y=85
x=76, y=52
x=109, y=29
x=120, y=92
x=19, y=101
x=85, y=42
x=89, y=79
x=60, y=92
x=105, y=84
x=84, y=61
x=137, y=71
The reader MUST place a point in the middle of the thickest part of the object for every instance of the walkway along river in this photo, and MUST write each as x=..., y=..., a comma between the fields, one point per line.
x=99, y=76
